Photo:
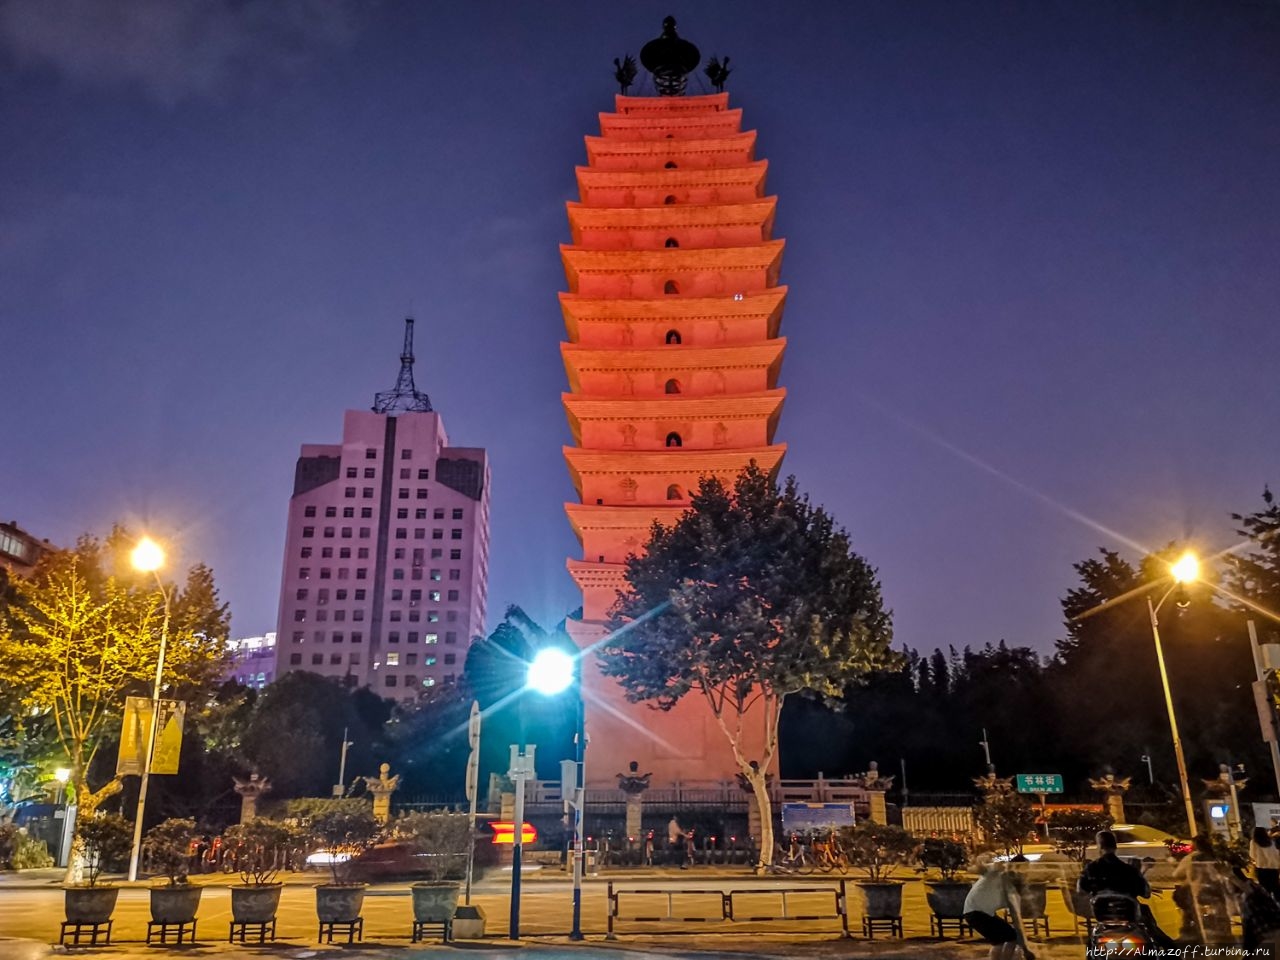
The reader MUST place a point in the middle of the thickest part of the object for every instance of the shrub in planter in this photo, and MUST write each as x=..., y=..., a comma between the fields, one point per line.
x=947, y=892
x=168, y=847
x=344, y=834
x=257, y=847
x=878, y=850
x=103, y=840
x=30, y=854
x=443, y=841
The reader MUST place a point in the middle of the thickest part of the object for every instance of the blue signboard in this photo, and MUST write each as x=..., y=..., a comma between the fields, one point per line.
x=816, y=816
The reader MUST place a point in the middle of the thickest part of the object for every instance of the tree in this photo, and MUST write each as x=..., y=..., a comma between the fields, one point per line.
x=752, y=596
x=83, y=632
x=1254, y=577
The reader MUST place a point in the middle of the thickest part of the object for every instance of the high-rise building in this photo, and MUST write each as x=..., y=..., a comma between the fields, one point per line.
x=19, y=550
x=251, y=661
x=387, y=554
x=672, y=357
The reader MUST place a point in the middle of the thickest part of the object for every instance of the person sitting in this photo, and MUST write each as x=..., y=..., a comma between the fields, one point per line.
x=1110, y=874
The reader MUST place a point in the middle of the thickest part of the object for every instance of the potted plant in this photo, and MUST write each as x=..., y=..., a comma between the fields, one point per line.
x=168, y=846
x=945, y=894
x=345, y=832
x=102, y=839
x=442, y=841
x=256, y=847
x=878, y=850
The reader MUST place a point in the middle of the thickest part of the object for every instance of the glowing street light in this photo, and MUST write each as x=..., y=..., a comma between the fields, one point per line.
x=1185, y=570
x=62, y=775
x=551, y=672
x=148, y=557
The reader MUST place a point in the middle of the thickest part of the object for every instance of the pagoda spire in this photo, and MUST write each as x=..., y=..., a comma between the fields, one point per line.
x=404, y=397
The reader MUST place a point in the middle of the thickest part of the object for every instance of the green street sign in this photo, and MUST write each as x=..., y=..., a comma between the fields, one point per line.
x=1039, y=782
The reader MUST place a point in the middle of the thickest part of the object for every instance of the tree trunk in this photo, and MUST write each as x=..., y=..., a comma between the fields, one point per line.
x=87, y=803
x=760, y=790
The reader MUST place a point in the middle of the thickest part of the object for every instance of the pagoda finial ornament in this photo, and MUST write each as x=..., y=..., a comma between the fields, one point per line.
x=670, y=59
x=624, y=72
x=404, y=397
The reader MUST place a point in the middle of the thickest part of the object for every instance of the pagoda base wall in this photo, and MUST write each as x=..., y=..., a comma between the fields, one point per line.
x=682, y=745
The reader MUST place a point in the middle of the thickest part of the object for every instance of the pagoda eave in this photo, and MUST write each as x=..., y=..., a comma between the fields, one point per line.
x=584, y=518
x=758, y=213
x=726, y=464
x=578, y=359
x=749, y=174
x=765, y=406
x=739, y=146
x=626, y=126
x=579, y=309
x=593, y=574
x=665, y=106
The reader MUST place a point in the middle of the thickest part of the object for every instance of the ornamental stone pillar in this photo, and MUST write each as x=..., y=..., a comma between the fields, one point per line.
x=633, y=784
x=381, y=789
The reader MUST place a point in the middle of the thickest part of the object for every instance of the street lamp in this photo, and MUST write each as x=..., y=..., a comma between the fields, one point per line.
x=552, y=672
x=1183, y=571
x=148, y=557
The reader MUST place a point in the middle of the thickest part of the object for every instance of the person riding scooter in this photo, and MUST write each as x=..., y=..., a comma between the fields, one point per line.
x=1111, y=875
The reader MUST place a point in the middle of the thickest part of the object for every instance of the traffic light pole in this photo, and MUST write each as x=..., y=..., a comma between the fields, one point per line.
x=522, y=769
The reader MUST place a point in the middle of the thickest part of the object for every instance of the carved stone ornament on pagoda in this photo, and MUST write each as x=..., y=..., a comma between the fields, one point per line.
x=672, y=356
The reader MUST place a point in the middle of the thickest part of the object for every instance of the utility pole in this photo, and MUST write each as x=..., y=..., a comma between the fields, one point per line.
x=522, y=769
x=340, y=788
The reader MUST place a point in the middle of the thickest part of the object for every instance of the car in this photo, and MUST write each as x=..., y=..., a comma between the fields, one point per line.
x=1144, y=843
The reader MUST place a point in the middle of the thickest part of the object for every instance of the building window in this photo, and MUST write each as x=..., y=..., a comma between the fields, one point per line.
x=673, y=440
x=393, y=659
x=455, y=533
x=362, y=553
x=435, y=575
x=366, y=513
x=406, y=454
x=346, y=533
x=430, y=638
x=351, y=473
x=302, y=593
x=395, y=616
x=304, y=573
x=457, y=513
x=401, y=533
x=397, y=573
x=402, y=513
x=450, y=659
x=410, y=659
x=452, y=596
x=362, y=573
x=295, y=659
x=356, y=637
x=328, y=532
x=673, y=386
x=309, y=511
x=370, y=453
x=326, y=573
x=370, y=473
x=306, y=552
x=360, y=594
x=422, y=493
x=335, y=659
x=420, y=513
x=415, y=595
x=424, y=474
x=404, y=473
x=317, y=659
x=428, y=661
x=366, y=493
x=451, y=616
x=415, y=616
x=434, y=596
x=308, y=531
x=399, y=553
x=455, y=574
x=437, y=534
x=455, y=554
x=403, y=493
x=671, y=242
x=450, y=636
x=344, y=553
x=668, y=199
x=326, y=553
x=299, y=616
x=297, y=636
x=433, y=616
x=349, y=492
x=322, y=615
x=438, y=513
x=412, y=638
x=391, y=680
x=669, y=165
x=330, y=511
x=357, y=615
x=343, y=573
x=397, y=594
x=364, y=533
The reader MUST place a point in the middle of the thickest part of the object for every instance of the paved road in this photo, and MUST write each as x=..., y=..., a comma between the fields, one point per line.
x=32, y=913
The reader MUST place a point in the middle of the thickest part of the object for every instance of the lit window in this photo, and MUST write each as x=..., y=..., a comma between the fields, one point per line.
x=393, y=659
x=428, y=681
x=430, y=638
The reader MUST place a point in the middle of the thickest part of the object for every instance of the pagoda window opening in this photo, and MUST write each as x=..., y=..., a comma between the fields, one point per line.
x=673, y=336
x=672, y=242
x=673, y=386
x=671, y=287
x=674, y=492
x=669, y=199
x=673, y=440
x=670, y=165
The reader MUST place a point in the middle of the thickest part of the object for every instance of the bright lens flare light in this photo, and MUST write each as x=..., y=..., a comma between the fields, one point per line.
x=62, y=774
x=551, y=672
x=147, y=556
x=1186, y=569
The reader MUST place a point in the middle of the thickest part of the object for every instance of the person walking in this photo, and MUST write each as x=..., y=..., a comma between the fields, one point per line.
x=996, y=889
x=1266, y=860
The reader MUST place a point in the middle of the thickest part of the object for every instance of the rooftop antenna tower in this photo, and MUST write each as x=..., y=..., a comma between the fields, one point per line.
x=404, y=397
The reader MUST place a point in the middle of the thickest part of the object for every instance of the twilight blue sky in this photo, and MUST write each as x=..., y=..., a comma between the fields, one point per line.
x=1033, y=251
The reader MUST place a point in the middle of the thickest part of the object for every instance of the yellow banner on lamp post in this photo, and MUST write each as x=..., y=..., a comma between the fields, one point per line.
x=135, y=729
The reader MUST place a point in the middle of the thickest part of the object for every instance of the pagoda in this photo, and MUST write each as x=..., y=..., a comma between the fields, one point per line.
x=673, y=356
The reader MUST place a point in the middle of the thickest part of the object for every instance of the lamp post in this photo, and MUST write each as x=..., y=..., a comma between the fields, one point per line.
x=148, y=557
x=552, y=672
x=1184, y=571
